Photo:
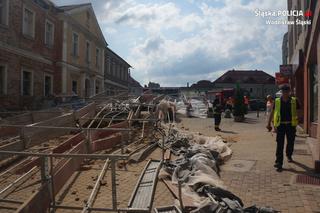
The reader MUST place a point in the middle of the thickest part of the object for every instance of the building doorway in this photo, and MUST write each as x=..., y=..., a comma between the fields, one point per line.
x=87, y=88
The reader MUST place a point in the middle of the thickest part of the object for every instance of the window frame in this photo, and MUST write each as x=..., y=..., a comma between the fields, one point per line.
x=98, y=57
x=44, y=84
x=76, y=92
x=73, y=46
x=88, y=52
x=7, y=14
x=45, y=33
x=33, y=23
x=312, y=69
x=5, y=78
x=22, y=81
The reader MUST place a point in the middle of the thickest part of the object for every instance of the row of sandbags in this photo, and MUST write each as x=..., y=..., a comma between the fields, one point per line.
x=196, y=170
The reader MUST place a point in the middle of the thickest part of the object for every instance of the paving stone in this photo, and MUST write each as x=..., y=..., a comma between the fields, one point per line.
x=266, y=186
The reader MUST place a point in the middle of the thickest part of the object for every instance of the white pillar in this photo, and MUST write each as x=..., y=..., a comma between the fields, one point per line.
x=93, y=88
x=64, y=58
x=82, y=85
x=64, y=79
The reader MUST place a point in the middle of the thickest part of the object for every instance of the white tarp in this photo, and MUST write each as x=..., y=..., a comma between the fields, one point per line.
x=199, y=109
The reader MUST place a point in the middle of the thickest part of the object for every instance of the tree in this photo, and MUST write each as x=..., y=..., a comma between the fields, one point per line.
x=239, y=106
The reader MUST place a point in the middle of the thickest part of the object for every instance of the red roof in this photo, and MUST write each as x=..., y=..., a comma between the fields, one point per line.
x=246, y=77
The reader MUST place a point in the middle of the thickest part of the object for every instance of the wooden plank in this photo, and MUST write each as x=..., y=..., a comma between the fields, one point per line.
x=37, y=202
x=167, y=154
x=63, y=173
x=106, y=143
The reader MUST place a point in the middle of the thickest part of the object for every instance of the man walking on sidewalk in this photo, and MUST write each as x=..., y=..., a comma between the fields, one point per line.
x=217, y=110
x=285, y=121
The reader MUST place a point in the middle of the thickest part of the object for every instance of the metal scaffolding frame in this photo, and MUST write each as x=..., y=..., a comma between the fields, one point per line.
x=47, y=176
x=46, y=160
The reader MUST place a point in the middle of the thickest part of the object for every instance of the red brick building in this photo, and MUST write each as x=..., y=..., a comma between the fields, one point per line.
x=30, y=46
x=303, y=55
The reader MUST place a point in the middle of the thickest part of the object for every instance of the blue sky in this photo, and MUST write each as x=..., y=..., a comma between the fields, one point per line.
x=175, y=42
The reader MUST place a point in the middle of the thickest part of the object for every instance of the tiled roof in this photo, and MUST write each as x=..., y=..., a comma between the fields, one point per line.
x=74, y=6
x=246, y=76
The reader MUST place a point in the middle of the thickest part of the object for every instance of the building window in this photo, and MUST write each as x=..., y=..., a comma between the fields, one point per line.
x=4, y=12
x=74, y=87
x=314, y=92
x=88, y=19
x=28, y=22
x=113, y=69
x=3, y=80
x=49, y=33
x=97, y=87
x=97, y=57
x=88, y=52
x=75, y=44
x=48, y=85
x=27, y=83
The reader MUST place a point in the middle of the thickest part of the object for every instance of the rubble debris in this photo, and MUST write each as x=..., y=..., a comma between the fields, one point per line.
x=196, y=173
x=167, y=209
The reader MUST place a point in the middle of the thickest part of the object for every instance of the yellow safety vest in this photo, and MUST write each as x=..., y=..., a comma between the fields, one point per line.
x=277, y=109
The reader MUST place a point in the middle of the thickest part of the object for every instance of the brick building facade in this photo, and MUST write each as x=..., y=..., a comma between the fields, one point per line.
x=303, y=55
x=116, y=72
x=49, y=51
x=30, y=44
x=83, y=49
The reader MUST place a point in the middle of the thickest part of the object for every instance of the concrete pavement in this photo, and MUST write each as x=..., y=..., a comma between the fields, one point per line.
x=250, y=173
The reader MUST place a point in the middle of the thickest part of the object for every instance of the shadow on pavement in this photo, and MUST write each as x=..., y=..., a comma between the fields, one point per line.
x=307, y=170
x=250, y=121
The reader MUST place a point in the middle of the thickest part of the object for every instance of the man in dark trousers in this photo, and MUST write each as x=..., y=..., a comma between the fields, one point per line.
x=285, y=121
x=217, y=110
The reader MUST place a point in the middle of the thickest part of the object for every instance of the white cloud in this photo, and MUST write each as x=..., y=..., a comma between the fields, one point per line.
x=179, y=47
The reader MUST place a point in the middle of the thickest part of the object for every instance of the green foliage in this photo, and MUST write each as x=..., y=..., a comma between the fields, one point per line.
x=239, y=106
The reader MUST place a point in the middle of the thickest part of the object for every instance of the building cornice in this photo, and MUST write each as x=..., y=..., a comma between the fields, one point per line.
x=24, y=53
x=74, y=24
x=115, y=84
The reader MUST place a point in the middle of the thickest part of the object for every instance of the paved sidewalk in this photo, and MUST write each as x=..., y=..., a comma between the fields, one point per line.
x=250, y=173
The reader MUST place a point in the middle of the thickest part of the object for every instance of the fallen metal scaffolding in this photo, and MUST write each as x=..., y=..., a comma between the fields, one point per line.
x=94, y=128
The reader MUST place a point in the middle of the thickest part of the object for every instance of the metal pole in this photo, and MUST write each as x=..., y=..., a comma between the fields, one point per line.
x=113, y=184
x=122, y=143
x=52, y=185
x=21, y=178
x=180, y=196
x=163, y=151
x=67, y=155
x=130, y=133
x=88, y=140
x=96, y=187
x=65, y=128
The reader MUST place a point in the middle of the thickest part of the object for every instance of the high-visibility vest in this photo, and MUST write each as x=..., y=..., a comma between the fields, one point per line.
x=277, y=115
